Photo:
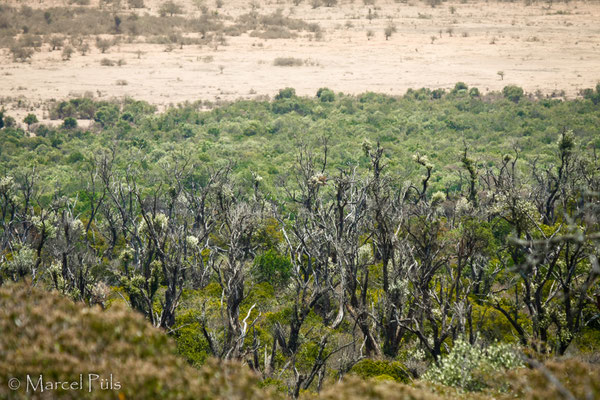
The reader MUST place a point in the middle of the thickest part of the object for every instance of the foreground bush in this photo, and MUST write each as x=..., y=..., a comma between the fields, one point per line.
x=354, y=388
x=43, y=333
x=576, y=377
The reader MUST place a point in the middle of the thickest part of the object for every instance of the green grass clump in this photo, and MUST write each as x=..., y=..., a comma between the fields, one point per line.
x=380, y=368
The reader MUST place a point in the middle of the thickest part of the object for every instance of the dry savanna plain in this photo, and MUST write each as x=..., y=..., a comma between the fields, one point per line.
x=548, y=48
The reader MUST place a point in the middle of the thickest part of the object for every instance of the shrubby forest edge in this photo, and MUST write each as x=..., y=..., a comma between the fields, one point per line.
x=438, y=244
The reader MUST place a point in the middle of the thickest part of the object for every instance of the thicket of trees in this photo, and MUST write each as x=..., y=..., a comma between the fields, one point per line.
x=334, y=262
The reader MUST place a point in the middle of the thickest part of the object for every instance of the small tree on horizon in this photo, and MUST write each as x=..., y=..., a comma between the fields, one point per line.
x=67, y=52
x=103, y=44
x=389, y=30
x=170, y=8
x=30, y=119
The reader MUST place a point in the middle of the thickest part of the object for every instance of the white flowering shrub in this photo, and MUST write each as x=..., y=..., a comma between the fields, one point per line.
x=192, y=241
x=159, y=222
x=20, y=263
x=365, y=254
x=7, y=184
x=520, y=211
x=469, y=367
x=463, y=206
x=438, y=197
x=45, y=224
x=77, y=227
x=319, y=179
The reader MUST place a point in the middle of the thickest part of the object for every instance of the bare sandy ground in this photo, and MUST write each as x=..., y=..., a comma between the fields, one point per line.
x=538, y=47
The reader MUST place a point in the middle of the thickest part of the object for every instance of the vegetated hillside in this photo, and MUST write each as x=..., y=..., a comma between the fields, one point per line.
x=264, y=137
x=435, y=237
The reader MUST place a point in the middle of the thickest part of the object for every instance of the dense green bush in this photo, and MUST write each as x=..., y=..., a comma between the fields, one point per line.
x=286, y=93
x=460, y=88
x=513, y=93
x=272, y=267
x=375, y=368
x=70, y=123
x=30, y=119
x=326, y=95
x=593, y=95
x=9, y=122
x=106, y=115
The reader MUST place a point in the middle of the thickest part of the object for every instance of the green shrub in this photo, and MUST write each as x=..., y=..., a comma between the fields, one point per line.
x=127, y=116
x=191, y=343
x=254, y=128
x=368, y=368
x=492, y=325
x=63, y=110
x=437, y=93
x=513, y=93
x=592, y=95
x=107, y=115
x=75, y=157
x=285, y=106
x=276, y=384
x=460, y=87
x=9, y=122
x=272, y=267
x=588, y=341
x=30, y=119
x=326, y=95
x=286, y=93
